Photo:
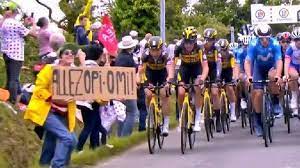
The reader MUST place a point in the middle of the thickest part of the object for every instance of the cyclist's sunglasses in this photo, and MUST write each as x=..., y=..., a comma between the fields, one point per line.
x=69, y=52
x=297, y=39
x=284, y=41
x=189, y=41
x=209, y=39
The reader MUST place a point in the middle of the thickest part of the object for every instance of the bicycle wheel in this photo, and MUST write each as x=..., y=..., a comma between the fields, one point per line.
x=184, y=127
x=151, y=128
x=228, y=121
x=264, y=120
x=243, y=118
x=250, y=115
x=287, y=111
x=192, y=138
x=160, y=137
x=223, y=111
x=207, y=118
x=270, y=119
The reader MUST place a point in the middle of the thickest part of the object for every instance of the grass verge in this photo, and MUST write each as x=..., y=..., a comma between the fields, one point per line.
x=92, y=157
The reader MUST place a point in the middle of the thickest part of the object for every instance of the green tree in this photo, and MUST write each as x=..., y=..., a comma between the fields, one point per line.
x=227, y=12
x=202, y=22
x=140, y=15
x=174, y=18
x=71, y=9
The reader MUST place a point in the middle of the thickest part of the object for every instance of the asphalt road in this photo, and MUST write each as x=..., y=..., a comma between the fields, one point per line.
x=237, y=149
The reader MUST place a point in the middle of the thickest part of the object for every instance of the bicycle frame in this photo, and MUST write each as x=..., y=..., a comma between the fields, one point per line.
x=155, y=100
x=190, y=111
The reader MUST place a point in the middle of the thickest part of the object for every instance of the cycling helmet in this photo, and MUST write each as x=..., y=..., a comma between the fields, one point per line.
x=233, y=46
x=263, y=30
x=190, y=33
x=245, y=40
x=223, y=43
x=210, y=33
x=296, y=33
x=155, y=42
x=286, y=36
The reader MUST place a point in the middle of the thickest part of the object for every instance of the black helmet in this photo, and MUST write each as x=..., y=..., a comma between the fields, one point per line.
x=223, y=43
x=155, y=42
x=210, y=33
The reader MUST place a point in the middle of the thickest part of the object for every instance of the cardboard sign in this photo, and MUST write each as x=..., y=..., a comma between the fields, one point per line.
x=91, y=83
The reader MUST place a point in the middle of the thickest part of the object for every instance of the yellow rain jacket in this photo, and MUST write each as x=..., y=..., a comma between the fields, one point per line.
x=38, y=108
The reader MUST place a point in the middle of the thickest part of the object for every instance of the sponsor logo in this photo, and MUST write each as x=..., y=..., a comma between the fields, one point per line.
x=284, y=13
x=260, y=14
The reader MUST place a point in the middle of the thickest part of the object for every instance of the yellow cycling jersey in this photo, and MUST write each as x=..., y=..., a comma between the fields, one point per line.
x=227, y=59
x=152, y=63
x=194, y=57
x=211, y=54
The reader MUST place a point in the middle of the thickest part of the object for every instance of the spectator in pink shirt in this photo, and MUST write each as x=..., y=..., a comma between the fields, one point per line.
x=43, y=37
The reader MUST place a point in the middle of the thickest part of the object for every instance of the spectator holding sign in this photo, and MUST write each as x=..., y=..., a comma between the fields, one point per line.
x=56, y=117
x=12, y=45
x=90, y=110
x=125, y=59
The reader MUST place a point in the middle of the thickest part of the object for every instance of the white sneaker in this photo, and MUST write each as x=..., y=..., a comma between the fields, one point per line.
x=197, y=127
x=109, y=146
x=232, y=117
x=293, y=104
x=178, y=128
x=243, y=104
x=295, y=112
x=165, y=131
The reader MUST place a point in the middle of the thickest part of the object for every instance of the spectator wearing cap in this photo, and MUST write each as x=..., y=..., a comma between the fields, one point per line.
x=56, y=117
x=125, y=59
x=43, y=37
x=12, y=47
x=81, y=34
x=134, y=34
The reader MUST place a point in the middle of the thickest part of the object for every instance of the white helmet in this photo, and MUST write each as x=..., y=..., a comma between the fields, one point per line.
x=263, y=30
x=233, y=46
x=245, y=39
x=296, y=33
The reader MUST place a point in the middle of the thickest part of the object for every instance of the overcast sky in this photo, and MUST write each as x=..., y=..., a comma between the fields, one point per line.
x=39, y=11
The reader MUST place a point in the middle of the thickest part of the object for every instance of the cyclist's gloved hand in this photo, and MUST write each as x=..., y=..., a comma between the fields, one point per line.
x=277, y=80
x=151, y=85
x=235, y=81
x=250, y=79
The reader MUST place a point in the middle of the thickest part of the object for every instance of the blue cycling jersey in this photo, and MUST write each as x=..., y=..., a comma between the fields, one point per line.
x=264, y=56
x=294, y=53
x=241, y=56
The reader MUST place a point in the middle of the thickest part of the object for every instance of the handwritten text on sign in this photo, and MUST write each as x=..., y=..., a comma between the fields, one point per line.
x=86, y=83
